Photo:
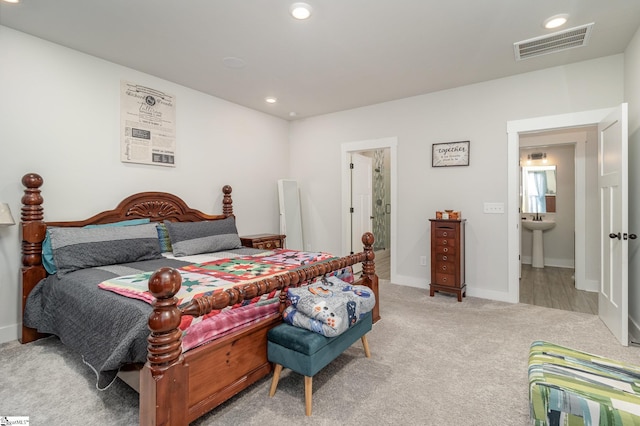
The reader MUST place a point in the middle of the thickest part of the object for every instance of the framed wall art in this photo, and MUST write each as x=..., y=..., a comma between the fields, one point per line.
x=147, y=125
x=450, y=154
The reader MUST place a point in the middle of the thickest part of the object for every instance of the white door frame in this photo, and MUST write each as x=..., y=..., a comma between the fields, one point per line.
x=367, y=145
x=514, y=128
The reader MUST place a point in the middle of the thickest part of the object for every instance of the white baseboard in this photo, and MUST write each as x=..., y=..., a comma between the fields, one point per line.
x=499, y=296
x=590, y=285
x=9, y=333
x=558, y=263
x=634, y=331
x=473, y=292
x=410, y=281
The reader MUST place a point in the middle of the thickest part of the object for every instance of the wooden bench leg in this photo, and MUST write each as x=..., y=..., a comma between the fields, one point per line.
x=365, y=344
x=276, y=378
x=308, y=388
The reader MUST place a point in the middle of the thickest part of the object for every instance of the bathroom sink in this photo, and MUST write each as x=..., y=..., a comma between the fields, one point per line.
x=538, y=225
x=537, y=250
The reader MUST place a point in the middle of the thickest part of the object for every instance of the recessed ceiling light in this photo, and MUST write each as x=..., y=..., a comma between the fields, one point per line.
x=300, y=10
x=293, y=114
x=556, y=21
x=270, y=100
x=233, y=62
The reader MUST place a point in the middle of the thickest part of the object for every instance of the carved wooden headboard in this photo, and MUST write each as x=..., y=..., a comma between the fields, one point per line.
x=156, y=206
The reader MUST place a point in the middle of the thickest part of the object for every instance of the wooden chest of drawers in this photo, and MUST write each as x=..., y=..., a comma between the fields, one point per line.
x=263, y=241
x=447, y=257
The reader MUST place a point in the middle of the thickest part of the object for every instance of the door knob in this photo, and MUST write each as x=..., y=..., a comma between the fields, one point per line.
x=632, y=236
x=618, y=236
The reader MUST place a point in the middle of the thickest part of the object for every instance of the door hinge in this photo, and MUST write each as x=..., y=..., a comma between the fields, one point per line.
x=350, y=209
x=351, y=165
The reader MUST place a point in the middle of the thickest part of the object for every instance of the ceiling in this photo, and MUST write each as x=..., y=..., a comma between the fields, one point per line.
x=349, y=53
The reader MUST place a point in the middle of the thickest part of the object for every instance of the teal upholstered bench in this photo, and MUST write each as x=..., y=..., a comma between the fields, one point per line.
x=569, y=387
x=306, y=352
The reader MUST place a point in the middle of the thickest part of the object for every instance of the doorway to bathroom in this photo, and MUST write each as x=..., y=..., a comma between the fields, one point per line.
x=559, y=190
x=382, y=155
x=371, y=205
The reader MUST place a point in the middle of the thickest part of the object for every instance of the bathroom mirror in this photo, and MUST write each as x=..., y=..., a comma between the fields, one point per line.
x=290, y=216
x=538, y=189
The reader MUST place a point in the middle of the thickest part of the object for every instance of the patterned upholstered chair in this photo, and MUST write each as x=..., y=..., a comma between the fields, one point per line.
x=569, y=387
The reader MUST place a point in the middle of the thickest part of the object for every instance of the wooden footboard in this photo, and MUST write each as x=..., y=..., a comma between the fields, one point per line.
x=177, y=388
x=216, y=371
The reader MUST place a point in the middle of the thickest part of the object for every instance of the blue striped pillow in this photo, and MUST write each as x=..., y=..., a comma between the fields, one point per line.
x=163, y=237
x=80, y=248
x=47, y=251
x=189, y=238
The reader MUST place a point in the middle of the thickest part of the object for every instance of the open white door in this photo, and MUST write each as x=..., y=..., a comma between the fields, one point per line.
x=613, y=300
x=361, y=196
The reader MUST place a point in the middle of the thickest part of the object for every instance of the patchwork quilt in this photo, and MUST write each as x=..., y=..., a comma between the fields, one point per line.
x=204, y=279
x=329, y=306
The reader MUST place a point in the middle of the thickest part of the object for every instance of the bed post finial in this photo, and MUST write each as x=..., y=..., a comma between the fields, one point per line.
x=165, y=373
x=32, y=200
x=369, y=271
x=368, y=266
x=227, y=202
x=165, y=340
x=33, y=230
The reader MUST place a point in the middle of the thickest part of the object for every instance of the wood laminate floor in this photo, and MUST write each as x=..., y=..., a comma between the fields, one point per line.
x=383, y=264
x=555, y=288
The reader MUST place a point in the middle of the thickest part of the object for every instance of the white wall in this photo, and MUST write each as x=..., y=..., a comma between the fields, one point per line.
x=632, y=96
x=478, y=113
x=59, y=117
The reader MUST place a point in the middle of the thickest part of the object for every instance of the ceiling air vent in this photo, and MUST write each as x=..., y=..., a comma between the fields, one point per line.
x=551, y=43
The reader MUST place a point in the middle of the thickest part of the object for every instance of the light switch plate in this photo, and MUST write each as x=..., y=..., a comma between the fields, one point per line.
x=494, y=208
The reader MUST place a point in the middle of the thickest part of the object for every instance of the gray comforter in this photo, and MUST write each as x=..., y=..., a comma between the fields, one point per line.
x=106, y=329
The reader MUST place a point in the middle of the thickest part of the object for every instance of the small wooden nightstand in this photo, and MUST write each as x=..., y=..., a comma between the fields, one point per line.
x=263, y=241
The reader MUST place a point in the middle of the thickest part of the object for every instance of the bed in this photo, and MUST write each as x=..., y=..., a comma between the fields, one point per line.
x=176, y=384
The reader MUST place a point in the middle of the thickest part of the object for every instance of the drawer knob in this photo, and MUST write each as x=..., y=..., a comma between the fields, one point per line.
x=444, y=257
x=444, y=268
x=445, y=249
x=444, y=242
x=444, y=279
x=444, y=234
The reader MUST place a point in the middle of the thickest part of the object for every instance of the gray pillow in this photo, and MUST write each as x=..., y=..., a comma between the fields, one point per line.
x=189, y=238
x=80, y=248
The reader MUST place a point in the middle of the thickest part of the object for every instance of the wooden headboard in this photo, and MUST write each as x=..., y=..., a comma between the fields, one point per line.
x=156, y=206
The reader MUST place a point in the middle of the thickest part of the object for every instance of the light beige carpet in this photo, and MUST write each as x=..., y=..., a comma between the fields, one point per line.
x=434, y=362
